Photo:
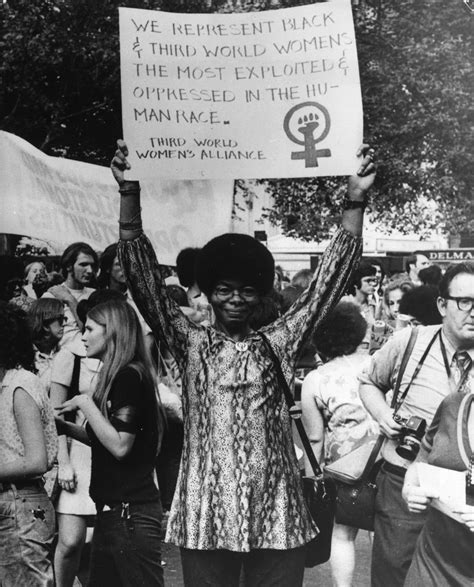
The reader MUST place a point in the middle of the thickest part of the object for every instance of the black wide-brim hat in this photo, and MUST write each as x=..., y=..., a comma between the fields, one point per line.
x=235, y=256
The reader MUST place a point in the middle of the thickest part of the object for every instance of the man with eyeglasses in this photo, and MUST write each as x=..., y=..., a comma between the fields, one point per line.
x=440, y=363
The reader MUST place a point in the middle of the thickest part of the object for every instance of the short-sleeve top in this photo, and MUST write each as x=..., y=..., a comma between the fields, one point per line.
x=335, y=389
x=130, y=479
x=63, y=366
x=11, y=444
x=238, y=487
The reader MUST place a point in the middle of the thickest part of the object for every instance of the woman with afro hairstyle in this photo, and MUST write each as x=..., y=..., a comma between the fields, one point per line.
x=333, y=414
x=238, y=500
x=28, y=447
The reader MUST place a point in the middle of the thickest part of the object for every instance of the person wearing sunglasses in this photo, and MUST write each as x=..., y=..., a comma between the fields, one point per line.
x=362, y=290
x=46, y=320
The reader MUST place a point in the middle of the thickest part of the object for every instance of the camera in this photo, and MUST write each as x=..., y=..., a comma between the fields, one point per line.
x=412, y=432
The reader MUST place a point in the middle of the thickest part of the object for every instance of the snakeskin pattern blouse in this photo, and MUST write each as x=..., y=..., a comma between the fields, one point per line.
x=238, y=486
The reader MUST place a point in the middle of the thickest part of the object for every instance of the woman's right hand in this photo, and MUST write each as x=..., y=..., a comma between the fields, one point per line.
x=119, y=163
x=67, y=477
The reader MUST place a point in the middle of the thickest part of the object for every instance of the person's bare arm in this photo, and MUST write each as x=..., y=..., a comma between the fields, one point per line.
x=118, y=443
x=66, y=474
x=34, y=462
x=374, y=401
x=313, y=422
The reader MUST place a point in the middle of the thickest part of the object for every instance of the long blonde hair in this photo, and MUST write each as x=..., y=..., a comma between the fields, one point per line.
x=124, y=346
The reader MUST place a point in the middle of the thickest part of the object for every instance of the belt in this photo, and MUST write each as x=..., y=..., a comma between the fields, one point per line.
x=394, y=469
x=29, y=484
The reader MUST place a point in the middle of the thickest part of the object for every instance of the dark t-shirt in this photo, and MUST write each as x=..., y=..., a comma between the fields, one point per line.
x=131, y=408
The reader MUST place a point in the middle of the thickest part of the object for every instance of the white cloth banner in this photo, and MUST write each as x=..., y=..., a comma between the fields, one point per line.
x=62, y=201
x=254, y=95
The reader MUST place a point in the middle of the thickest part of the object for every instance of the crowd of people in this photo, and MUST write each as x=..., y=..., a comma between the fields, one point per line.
x=125, y=390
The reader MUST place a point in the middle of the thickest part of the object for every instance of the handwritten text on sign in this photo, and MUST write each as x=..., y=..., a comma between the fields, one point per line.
x=267, y=94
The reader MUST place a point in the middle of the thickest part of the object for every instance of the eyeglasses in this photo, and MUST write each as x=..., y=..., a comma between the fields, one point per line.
x=225, y=293
x=61, y=319
x=464, y=304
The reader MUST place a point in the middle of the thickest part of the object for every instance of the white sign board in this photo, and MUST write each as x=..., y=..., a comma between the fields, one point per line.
x=63, y=201
x=254, y=95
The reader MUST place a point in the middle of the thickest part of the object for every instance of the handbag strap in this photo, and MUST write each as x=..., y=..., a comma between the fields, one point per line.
x=76, y=372
x=295, y=411
x=372, y=458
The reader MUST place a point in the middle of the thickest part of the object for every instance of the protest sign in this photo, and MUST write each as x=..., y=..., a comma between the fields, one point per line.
x=254, y=95
x=63, y=201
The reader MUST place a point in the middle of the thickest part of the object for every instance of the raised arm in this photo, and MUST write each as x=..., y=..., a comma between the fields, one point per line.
x=141, y=267
x=290, y=332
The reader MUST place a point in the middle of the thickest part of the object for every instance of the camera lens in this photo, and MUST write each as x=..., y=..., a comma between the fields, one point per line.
x=409, y=448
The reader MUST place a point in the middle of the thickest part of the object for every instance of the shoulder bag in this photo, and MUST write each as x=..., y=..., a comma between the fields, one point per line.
x=355, y=502
x=319, y=492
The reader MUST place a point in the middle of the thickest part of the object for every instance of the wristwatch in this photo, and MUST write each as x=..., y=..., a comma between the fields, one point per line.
x=354, y=204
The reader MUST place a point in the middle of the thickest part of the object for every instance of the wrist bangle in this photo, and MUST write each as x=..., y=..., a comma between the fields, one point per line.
x=354, y=204
x=134, y=219
x=130, y=225
x=129, y=188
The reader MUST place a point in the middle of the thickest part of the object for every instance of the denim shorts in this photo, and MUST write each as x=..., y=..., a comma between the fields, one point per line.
x=126, y=547
x=27, y=527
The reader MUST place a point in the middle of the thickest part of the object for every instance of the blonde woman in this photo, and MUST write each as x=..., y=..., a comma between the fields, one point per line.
x=125, y=425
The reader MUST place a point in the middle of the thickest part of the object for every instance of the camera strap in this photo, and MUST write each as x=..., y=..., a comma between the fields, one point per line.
x=397, y=402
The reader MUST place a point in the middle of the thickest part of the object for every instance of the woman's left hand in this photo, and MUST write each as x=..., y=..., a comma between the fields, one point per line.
x=363, y=180
x=71, y=405
x=467, y=514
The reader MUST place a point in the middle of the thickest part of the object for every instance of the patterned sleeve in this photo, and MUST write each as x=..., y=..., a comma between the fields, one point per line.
x=289, y=333
x=148, y=288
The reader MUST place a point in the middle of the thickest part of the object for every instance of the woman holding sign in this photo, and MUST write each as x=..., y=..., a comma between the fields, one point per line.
x=238, y=499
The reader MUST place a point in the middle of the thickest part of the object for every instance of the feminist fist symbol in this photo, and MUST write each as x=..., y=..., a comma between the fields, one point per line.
x=305, y=119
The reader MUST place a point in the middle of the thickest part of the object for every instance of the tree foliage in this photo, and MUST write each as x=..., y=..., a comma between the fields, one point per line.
x=415, y=61
x=60, y=90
